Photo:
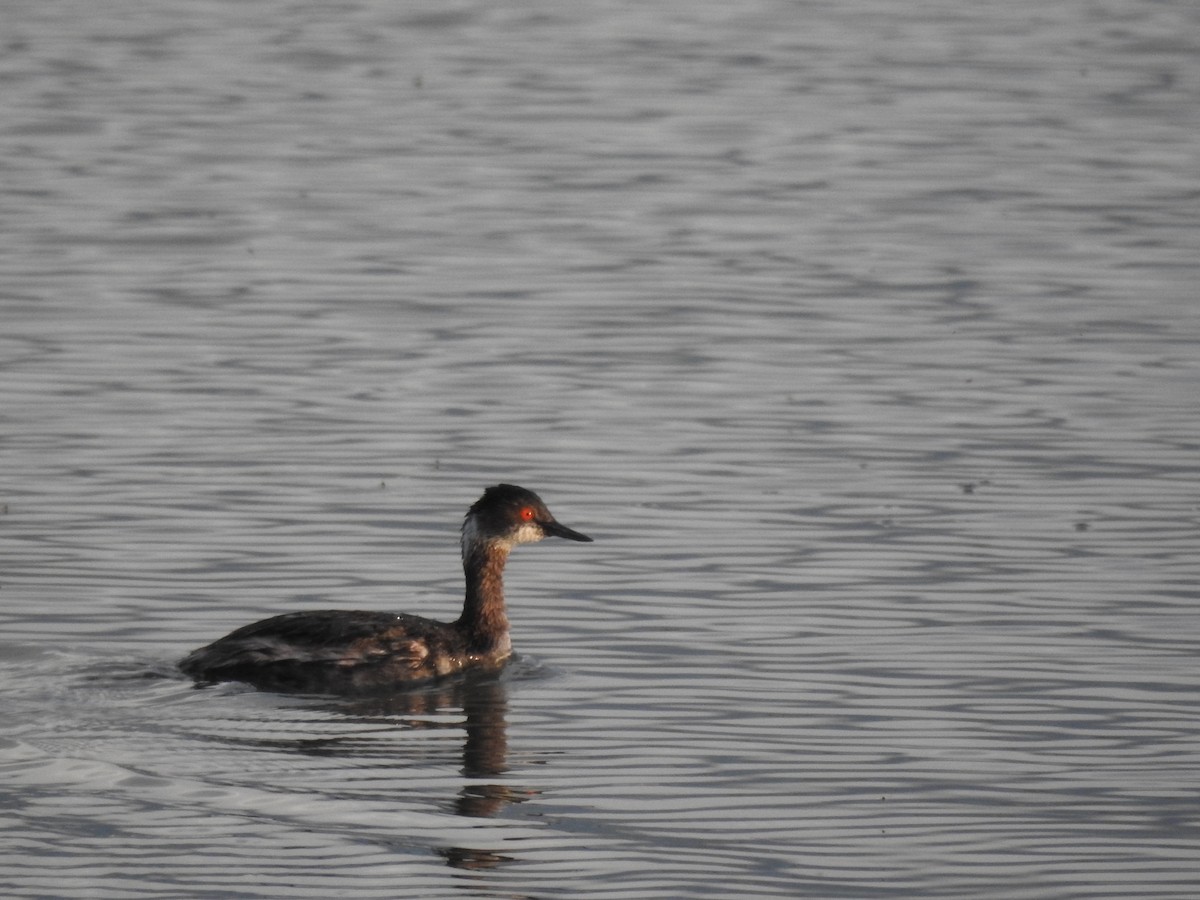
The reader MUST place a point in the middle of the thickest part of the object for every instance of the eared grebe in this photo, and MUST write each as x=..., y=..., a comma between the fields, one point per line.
x=340, y=651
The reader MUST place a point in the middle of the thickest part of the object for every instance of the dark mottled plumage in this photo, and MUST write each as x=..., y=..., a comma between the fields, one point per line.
x=338, y=651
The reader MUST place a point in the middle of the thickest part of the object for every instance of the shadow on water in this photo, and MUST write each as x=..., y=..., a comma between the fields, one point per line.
x=306, y=761
x=481, y=699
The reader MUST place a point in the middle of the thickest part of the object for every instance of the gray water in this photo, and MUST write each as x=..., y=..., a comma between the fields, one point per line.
x=861, y=336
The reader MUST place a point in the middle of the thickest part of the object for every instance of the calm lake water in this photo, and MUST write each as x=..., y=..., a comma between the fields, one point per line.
x=861, y=336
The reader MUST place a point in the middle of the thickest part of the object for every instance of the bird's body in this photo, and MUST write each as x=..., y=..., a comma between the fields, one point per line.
x=338, y=651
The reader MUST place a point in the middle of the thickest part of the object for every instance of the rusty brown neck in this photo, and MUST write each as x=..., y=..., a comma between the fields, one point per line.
x=483, y=620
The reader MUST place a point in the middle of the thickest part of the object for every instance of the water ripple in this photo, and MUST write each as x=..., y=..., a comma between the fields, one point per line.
x=861, y=337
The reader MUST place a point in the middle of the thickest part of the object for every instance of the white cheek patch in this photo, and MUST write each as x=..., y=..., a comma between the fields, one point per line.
x=528, y=533
x=472, y=538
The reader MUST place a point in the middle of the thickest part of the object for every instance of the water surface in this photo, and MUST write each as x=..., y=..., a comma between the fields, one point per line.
x=860, y=336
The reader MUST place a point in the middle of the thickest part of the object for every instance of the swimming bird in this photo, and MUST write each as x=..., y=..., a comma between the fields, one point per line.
x=334, y=651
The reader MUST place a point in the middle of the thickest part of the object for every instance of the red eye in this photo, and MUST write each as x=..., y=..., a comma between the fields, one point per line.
x=527, y=513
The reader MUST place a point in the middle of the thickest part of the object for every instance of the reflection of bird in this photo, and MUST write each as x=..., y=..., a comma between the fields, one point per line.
x=340, y=651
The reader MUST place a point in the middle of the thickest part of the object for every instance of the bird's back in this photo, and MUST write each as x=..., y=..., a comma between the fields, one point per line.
x=332, y=651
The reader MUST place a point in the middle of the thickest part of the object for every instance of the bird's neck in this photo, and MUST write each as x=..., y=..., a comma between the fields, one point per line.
x=484, y=620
